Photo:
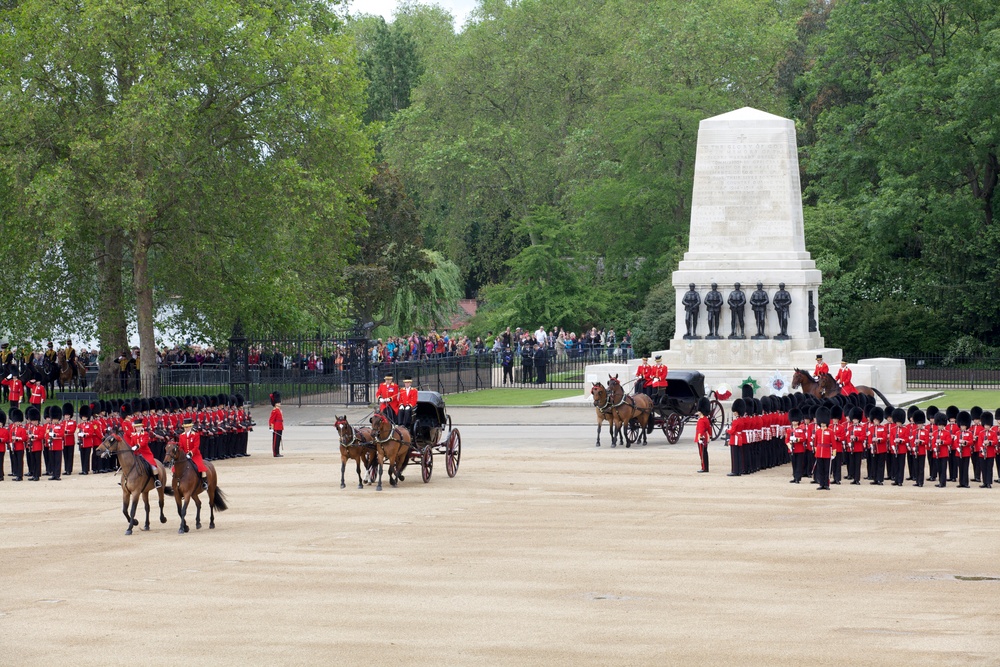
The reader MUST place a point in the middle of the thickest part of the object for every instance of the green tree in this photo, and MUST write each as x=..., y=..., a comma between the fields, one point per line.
x=219, y=142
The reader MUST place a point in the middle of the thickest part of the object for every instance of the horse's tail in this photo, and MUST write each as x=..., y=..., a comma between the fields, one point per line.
x=882, y=396
x=219, y=502
x=168, y=489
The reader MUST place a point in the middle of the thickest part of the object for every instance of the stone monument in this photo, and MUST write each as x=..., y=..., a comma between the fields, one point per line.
x=746, y=228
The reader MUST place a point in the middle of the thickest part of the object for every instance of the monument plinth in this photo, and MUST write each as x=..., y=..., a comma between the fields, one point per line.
x=746, y=228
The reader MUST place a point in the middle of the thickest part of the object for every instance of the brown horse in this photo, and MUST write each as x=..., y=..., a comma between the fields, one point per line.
x=628, y=407
x=357, y=444
x=137, y=479
x=186, y=484
x=605, y=411
x=66, y=372
x=830, y=388
x=805, y=380
x=393, y=445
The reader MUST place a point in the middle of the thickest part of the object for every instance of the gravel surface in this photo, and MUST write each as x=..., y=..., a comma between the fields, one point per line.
x=543, y=550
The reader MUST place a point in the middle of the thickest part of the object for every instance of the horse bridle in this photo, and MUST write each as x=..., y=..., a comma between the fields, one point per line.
x=389, y=438
x=354, y=434
x=607, y=407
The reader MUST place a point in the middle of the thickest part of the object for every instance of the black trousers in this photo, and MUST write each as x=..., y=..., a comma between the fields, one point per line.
x=932, y=465
x=276, y=443
x=734, y=457
x=508, y=374
x=85, y=460
x=703, y=455
x=963, y=471
x=34, y=464
x=879, y=468
x=823, y=473
x=68, y=459
x=856, y=475
x=869, y=464
x=3, y=452
x=952, y=467
x=798, y=463
x=976, y=465
x=917, y=472
x=17, y=463
x=55, y=463
x=986, y=469
x=900, y=469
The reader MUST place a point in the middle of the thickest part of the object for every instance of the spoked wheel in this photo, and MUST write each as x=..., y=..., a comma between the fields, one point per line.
x=718, y=418
x=453, y=454
x=426, y=463
x=631, y=429
x=673, y=427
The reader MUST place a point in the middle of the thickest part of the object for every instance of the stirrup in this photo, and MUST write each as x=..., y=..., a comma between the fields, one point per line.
x=156, y=484
x=204, y=486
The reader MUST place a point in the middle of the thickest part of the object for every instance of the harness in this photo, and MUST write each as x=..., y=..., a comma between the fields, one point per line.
x=607, y=407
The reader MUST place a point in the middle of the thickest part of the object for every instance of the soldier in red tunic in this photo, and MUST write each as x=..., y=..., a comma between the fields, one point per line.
x=987, y=449
x=922, y=437
x=139, y=443
x=189, y=443
x=703, y=431
x=966, y=441
x=658, y=377
x=4, y=443
x=821, y=367
x=823, y=445
x=15, y=390
x=879, y=442
x=18, y=439
x=277, y=424
x=844, y=379
x=795, y=439
x=387, y=397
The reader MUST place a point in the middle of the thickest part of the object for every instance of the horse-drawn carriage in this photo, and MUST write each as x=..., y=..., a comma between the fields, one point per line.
x=677, y=404
x=429, y=436
x=416, y=440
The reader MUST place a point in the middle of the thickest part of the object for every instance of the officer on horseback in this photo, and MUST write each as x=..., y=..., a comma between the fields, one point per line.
x=71, y=359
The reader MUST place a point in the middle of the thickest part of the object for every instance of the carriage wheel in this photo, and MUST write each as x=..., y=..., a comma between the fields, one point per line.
x=426, y=463
x=718, y=418
x=453, y=454
x=673, y=428
x=631, y=430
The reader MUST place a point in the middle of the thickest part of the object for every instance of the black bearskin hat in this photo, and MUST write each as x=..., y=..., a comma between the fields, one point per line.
x=919, y=417
x=836, y=412
x=67, y=409
x=964, y=419
x=856, y=413
x=794, y=415
x=823, y=416
x=940, y=419
x=705, y=406
x=739, y=407
x=276, y=398
x=85, y=411
x=747, y=390
x=931, y=411
x=952, y=412
x=55, y=413
x=987, y=418
x=976, y=412
x=899, y=416
x=877, y=414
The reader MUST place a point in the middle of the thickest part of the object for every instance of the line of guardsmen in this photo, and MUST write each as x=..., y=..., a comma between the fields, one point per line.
x=50, y=436
x=756, y=435
x=828, y=440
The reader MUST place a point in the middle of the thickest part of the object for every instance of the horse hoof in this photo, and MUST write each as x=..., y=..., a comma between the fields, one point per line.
x=361, y=486
x=163, y=519
x=187, y=529
x=211, y=526
x=378, y=488
x=180, y=531
x=613, y=445
x=342, y=485
x=128, y=532
x=198, y=526
x=400, y=478
x=628, y=445
x=599, y=444
x=145, y=528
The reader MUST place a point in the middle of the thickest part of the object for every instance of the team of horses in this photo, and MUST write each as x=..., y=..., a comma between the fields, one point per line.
x=139, y=479
x=826, y=386
x=618, y=408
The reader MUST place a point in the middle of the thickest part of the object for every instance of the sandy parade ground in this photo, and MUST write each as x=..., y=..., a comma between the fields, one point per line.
x=543, y=550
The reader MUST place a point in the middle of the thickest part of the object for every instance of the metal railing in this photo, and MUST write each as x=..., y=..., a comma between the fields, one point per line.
x=942, y=372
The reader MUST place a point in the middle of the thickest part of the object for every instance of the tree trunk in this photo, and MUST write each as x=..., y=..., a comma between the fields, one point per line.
x=112, y=332
x=144, y=314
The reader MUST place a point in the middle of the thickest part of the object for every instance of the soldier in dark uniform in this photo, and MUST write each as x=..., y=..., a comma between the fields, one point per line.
x=50, y=355
x=71, y=359
x=123, y=361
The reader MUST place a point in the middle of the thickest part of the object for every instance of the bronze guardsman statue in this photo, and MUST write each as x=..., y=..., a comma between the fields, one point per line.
x=782, y=302
x=713, y=304
x=691, y=303
x=737, y=306
x=758, y=303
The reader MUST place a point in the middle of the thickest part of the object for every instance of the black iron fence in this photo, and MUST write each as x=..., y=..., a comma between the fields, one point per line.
x=941, y=372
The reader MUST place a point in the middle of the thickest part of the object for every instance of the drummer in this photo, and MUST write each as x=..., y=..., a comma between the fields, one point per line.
x=407, y=402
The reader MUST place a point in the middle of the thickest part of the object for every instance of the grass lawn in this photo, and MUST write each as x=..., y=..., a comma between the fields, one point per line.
x=966, y=399
x=509, y=396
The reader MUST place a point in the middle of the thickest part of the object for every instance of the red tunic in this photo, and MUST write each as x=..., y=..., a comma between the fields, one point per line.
x=796, y=439
x=407, y=397
x=140, y=443
x=38, y=394
x=844, y=379
x=190, y=443
x=388, y=396
x=988, y=447
x=36, y=436
x=659, y=375
x=821, y=368
x=703, y=431
x=56, y=437
x=275, y=422
x=18, y=437
x=15, y=387
x=823, y=442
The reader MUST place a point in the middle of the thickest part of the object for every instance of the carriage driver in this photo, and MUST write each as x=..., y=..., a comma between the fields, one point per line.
x=388, y=398
x=407, y=402
x=189, y=442
x=643, y=375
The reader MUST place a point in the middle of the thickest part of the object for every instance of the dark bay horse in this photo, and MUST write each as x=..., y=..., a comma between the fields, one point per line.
x=79, y=381
x=137, y=479
x=805, y=380
x=393, y=444
x=831, y=388
x=628, y=407
x=357, y=444
x=605, y=411
x=186, y=484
